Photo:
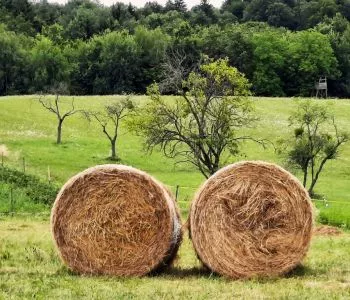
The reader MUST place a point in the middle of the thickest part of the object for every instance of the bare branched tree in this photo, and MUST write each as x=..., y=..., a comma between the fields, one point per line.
x=175, y=70
x=110, y=119
x=55, y=106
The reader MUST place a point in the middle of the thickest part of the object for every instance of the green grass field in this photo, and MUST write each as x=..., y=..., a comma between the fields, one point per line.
x=28, y=131
x=29, y=264
x=30, y=269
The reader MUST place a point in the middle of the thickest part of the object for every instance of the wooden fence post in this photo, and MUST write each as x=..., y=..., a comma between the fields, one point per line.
x=177, y=192
x=48, y=174
x=11, y=201
x=24, y=165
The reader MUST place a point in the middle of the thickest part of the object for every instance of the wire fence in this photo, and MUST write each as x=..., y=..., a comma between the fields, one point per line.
x=13, y=201
x=22, y=165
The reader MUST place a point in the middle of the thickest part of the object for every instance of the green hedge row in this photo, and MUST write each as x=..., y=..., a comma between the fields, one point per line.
x=35, y=189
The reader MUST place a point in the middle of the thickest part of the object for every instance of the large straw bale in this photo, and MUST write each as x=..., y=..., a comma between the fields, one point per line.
x=251, y=219
x=115, y=220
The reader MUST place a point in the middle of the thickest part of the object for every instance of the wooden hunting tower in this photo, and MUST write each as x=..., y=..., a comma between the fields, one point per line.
x=322, y=88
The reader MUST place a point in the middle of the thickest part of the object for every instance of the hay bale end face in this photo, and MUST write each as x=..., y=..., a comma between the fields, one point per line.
x=115, y=220
x=251, y=219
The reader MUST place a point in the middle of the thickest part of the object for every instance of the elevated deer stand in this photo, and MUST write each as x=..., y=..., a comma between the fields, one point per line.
x=321, y=88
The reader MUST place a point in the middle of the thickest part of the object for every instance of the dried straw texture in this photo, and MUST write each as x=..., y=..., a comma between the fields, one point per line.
x=115, y=220
x=251, y=219
x=327, y=230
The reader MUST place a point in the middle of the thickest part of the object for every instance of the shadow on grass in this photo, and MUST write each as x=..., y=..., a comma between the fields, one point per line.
x=113, y=159
x=201, y=272
x=299, y=271
x=180, y=273
x=303, y=271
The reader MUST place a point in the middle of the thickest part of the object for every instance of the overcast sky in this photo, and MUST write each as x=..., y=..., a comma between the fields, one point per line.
x=141, y=3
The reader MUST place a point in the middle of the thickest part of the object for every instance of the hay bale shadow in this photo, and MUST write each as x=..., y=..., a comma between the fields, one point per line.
x=298, y=271
x=181, y=273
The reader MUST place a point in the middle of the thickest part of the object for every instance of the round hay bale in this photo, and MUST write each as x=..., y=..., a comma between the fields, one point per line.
x=115, y=220
x=251, y=219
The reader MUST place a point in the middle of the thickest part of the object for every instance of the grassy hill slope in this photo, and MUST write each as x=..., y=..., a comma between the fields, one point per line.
x=28, y=130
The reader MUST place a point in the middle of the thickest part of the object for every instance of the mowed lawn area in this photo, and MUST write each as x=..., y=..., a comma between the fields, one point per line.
x=29, y=263
x=29, y=131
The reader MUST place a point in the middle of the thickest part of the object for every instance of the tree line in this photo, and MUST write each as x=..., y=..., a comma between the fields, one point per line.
x=282, y=46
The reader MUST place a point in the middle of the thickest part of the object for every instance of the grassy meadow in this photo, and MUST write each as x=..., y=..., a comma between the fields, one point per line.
x=28, y=131
x=31, y=268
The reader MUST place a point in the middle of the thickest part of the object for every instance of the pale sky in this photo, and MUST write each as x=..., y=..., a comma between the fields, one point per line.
x=140, y=3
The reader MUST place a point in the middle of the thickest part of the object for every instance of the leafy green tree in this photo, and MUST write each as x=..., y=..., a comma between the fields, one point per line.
x=83, y=58
x=87, y=22
x=316, y=140
x=78, y=31
x=169, y=6
x=270, y=54
x=280, y=14
x=344, y=8
x=151, y=7
x=176, y=5
x=17, y=7
x=55, y=33
x=343, y=54
x=152, y=45
x=117, y=63
x=235, y=7
x=233, y=42
x=202, y=126
x=256, y=10
x=310, y=56
x=46, y=14
x=48, y=63
x=204, y=14
x=313, y=12
x=226, y=18
x=180, y=5
x=289, y=63
x=18, y=16
x=13, y=62
x=169, y=22
x=275, y=12
x=338, y=31
x=125, y=16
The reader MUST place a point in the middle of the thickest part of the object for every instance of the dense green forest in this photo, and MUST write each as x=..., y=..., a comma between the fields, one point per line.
x=282, y=46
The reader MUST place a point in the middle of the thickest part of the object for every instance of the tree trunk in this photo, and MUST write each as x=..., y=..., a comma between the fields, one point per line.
x=314, y=180
x=313, y=183
x=311, y=189
x=113, y=150
x=305, y=178
x=59, y=132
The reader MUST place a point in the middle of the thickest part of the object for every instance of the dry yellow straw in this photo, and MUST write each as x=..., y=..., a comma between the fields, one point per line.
x=115, y=220
x=251, y=219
